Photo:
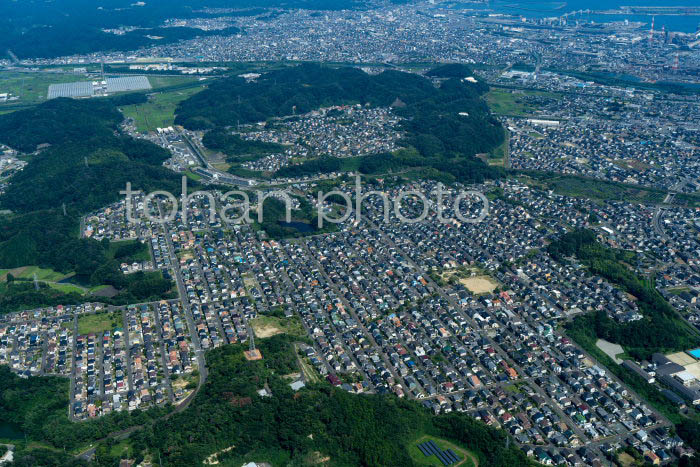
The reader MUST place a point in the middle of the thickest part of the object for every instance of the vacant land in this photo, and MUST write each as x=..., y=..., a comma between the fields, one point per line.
x=473, y=278
x=268, y=326
x=99, y=322
x=582, y=187
x=467, y=458
x=479, y=285
x=514, y=102
x=159, y=111
x=626, y=460
x=612, y=350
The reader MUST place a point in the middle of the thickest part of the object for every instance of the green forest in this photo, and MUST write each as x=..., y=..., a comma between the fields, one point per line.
x=661, y=330
x=22, y=295
x=445, y=126
x=304, y=221
x=39, y=407
x=84, y=167
x=287, y=428
x=237, y=148
x=291, y=428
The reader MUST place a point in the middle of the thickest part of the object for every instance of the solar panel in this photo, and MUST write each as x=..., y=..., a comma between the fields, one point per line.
x=432, y=449
x=77, y=89
x=127, y=83
x=423, y=450
x=441, y=455
x=452, y=455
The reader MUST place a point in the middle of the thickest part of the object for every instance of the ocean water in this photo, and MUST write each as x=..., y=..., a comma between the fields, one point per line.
x=543, y=9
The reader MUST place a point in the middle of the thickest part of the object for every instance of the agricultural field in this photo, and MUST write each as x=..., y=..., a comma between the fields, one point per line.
x=27, y=272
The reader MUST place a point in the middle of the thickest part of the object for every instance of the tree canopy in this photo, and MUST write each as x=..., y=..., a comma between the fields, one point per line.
x=447, y=125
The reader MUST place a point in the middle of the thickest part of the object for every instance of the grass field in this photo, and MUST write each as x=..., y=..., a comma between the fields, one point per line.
x=32, y=88
x=99, y=322
x=159, y=111
x=514, y=102
x=309, y=372
x=499, y=154
x=66, y=287
x=27, y=272
x=468, y=459
x=689, y=200
x=602, y=190
x=158, y=82
x=193, y=176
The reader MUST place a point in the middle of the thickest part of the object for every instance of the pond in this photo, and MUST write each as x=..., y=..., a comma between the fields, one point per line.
x=10, y=431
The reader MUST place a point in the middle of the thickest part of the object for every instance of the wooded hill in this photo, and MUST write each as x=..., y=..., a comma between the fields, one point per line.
x=447, y=124
x=86, y=164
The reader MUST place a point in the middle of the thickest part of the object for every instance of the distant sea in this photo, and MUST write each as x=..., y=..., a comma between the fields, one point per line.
x=542, y=9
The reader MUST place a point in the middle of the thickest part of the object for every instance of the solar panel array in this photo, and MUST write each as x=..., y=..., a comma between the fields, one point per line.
x=77, y=89
x=127, y=83
x=447, y=457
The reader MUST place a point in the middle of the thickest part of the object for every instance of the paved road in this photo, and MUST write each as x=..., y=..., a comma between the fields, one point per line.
x=123, y=434
x=182, y=292
x=504, y=355
x=195, y=150
x=656, y=223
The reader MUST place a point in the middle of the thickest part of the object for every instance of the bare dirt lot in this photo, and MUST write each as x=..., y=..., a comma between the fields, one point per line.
x=265, y=328
x=480, y=284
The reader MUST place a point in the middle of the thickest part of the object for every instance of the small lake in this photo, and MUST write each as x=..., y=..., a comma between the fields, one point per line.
x=10, y=431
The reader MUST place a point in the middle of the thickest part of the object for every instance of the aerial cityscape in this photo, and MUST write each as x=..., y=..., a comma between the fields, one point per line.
x=342, y=233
